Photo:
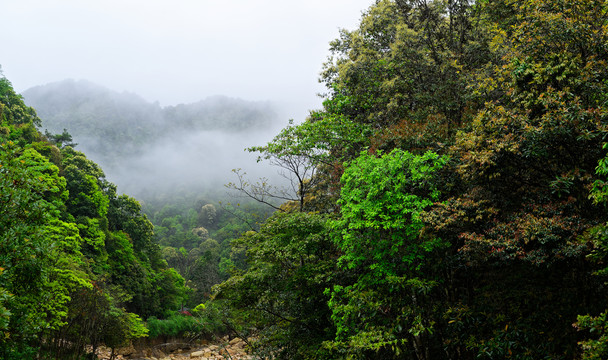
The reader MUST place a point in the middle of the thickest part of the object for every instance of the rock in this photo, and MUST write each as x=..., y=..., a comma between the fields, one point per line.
x=197, y=353
x=239, y=345
x=157, y=353
x=129, y=350
x=235, y=341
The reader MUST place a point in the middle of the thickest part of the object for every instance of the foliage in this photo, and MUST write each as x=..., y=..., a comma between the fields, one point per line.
x=515, y=94
x=195, y=237
x=291, y=262
x=379, y=233
x=23, y=250
x=175, y=326
x=404, y=71
x=596, y=348
x=13, y=109
x=595, y=345
x=447, y=201
x=73, y=255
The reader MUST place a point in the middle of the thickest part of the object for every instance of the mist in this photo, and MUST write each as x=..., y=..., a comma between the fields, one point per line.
x=157, y=56
x=149, y=151
x=192, y=162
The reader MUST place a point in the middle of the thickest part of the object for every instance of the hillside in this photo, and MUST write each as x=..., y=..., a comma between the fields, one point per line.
x=146, y=148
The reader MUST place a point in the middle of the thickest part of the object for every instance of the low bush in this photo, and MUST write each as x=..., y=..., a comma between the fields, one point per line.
x=204, y=321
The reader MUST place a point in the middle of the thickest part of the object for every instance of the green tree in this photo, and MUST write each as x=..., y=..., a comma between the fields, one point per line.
x=12, y=108
x=39, y=254
x=291, y=262
x=387, y=310
x=405, y=70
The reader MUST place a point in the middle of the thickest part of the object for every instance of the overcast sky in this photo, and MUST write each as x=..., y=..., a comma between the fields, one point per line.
x=176, y=51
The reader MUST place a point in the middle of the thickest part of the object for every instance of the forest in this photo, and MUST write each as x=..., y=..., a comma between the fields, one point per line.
x=147, y=150
x=448, y=201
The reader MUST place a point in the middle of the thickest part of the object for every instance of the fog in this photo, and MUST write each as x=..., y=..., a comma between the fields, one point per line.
x=177, y=51
x=201, y=161
x=150, y=151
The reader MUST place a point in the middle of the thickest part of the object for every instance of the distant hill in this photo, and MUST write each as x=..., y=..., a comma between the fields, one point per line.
x=141, y=144
x=125, y=121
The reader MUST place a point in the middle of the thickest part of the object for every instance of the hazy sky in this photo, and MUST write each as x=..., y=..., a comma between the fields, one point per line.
x=176, y=51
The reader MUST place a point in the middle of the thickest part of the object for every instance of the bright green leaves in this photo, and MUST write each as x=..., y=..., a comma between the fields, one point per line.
x=12, y=108
x=596, y=348
x=47, y=173
x=26, y=257
x=381, y=201
x=380, y=235
x=599, y=193
x=124, y=214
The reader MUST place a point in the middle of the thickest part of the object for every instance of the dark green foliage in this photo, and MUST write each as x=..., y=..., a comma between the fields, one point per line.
x=175, y=326
x=204, y=321
x=60, y=140
x=291, y=263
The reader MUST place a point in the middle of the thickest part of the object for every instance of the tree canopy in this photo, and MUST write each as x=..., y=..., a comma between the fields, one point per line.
x=460, y=161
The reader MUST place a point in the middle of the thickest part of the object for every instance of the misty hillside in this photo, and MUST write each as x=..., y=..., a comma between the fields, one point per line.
x=86, y=109
x=144, y=147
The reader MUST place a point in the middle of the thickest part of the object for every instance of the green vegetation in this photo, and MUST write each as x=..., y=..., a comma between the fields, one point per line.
x=458, y=171
x=78, y=266
x=195, y=234
x=449, y=203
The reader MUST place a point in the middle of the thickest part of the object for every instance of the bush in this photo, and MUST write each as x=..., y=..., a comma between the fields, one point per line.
x=205, y=322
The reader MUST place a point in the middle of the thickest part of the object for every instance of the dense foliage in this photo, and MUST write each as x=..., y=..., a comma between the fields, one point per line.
x=78, y=266
x=458, y=175
x=195, y=233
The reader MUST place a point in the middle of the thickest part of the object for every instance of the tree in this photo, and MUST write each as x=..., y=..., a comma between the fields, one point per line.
x=380, y=234
x=60, y=140
x=207, y=215
x=405, y=70
x=13, y=109
x=39, y=254
x=291, y=262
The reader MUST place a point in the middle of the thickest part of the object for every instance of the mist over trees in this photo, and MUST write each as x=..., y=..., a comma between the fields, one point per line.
x=78, y=263
x=147, y=149
x=176, y=160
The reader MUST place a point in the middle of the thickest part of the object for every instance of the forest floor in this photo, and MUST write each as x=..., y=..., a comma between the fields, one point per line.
x=224, y=348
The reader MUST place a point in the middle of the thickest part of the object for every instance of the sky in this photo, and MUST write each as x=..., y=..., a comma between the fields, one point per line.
x=177, y=51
